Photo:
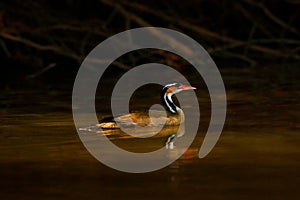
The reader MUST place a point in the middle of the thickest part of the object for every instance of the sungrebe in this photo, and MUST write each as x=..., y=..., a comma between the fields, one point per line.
x=175, y=115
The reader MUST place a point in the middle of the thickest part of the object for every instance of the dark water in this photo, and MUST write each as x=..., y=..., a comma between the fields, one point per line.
x=257, y=156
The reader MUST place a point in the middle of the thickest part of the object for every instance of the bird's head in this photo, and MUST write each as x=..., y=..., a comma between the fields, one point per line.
x=168, y=91
x=174, y=88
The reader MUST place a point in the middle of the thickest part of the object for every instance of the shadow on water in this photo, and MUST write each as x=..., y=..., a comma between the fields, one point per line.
x=257, y=156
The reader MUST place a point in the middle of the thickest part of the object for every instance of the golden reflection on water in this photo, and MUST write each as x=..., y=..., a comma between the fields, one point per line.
x=257, y=156
x=42, y=155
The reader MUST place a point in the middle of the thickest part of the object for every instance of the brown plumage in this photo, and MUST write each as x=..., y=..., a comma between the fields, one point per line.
x=174, y=118
x=173, y=122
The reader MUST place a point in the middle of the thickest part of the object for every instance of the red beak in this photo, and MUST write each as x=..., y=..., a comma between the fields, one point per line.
x=187, y=87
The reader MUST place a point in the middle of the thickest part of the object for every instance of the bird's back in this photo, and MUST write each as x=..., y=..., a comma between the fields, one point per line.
x=140, y=119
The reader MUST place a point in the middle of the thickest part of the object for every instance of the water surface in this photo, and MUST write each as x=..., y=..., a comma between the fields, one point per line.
x=257, y=156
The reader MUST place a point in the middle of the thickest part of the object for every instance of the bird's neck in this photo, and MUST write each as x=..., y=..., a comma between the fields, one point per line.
x=181, y=115
x=171, y=107
x=169, y=104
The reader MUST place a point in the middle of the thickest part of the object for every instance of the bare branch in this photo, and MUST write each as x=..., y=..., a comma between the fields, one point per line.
x=200, y=30
x=270, y=15
x=55, y=49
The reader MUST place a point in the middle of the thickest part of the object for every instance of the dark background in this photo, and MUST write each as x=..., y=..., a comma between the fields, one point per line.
x=256, y=46
x=45, y=41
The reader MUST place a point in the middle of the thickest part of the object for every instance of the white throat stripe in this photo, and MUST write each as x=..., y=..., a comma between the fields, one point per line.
x=167, y=103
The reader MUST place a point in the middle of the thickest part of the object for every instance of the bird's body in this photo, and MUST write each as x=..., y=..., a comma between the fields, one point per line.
x=174, y=117
x=140, y=119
